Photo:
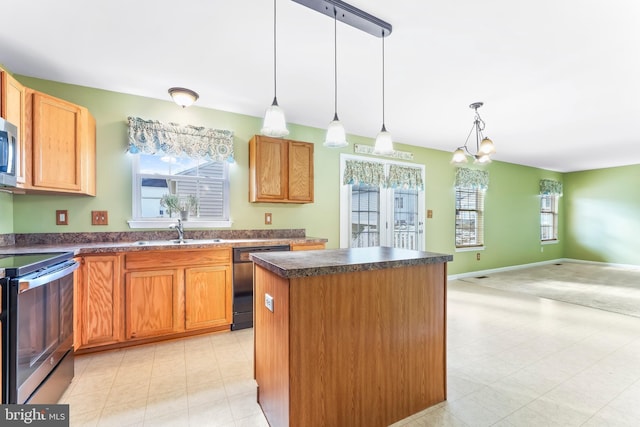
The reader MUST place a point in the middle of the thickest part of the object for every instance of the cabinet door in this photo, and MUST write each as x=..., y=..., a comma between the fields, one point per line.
x=62, y=146
x=13, y=110
x=153, y=303
x=208, y=297
x=300, y=171
x=268, y=169
x=99, y=308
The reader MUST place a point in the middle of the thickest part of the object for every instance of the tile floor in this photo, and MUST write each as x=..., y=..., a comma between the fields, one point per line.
x=513, y=360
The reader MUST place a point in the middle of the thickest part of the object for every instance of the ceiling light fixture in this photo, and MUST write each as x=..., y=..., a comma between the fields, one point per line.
x=336, y=135
x=484, y=146
x=183, y=97
x=274, y=121
x=384, y=142
x=361, y=20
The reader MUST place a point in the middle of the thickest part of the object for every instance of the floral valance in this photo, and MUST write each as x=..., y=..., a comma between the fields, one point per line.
x=472, y=178
x=405, y=177
x=151, y=136
x=549, y=186
x=361, y=172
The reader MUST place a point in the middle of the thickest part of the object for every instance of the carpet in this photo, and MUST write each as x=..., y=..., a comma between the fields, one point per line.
x=614, y=289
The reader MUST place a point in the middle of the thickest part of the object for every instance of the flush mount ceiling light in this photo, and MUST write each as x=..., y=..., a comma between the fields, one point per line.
x=344, y=12
x=274, y=123
x=183, y=97
x=336, y=135
x=484, y=146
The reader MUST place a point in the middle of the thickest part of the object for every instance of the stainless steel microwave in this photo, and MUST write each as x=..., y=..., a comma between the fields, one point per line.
x=8, y=146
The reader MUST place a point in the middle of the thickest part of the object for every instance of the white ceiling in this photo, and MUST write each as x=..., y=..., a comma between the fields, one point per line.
x=560, y=79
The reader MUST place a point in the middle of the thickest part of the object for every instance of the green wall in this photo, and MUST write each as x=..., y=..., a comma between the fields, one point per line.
x=602, y=217
x=512, y=204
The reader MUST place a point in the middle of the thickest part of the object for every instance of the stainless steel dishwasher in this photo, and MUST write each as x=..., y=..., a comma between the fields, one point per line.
x=243, y=284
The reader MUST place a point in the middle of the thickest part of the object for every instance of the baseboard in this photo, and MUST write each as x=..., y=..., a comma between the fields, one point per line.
x=501, y=269
x=536, y=264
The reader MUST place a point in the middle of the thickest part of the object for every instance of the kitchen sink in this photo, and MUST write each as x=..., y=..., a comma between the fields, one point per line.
x=175, y=242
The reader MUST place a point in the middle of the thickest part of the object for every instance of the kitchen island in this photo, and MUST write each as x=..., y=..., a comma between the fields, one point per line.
x=349, y=337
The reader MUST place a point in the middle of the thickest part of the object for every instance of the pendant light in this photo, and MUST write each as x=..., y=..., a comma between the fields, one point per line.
x=384, y=142
x=274, y=123
x=484, y=146
x=336, y=135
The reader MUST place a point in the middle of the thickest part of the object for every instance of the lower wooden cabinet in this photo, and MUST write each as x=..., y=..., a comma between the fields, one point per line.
x=125, y=298
x=208, y=297
x=152, y=303
x=98, y=301
x=306, y=246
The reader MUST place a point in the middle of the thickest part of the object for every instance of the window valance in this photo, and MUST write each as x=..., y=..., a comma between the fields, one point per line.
x=151, y=136
x=472, y=178
x=361, y=172
x=550, y=186
x=405, y=177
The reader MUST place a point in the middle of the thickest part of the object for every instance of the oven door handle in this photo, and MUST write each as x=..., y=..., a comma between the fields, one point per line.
x=25, y=283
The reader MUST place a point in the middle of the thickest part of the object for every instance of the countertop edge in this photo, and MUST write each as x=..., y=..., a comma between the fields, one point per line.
x=335, y=267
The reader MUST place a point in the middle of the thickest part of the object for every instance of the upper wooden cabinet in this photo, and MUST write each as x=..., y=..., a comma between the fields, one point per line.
x=12, y=109
x=61, y=147
x=280, y=170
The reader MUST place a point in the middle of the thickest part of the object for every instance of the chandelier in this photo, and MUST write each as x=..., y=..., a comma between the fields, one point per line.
x=484, y=146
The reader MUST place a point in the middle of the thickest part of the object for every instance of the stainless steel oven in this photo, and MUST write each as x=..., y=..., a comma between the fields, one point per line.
x=243, y=284
x=37, y=327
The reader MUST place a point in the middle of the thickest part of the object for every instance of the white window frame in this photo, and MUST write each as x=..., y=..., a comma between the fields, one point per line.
x=386, y=203
x=554, y=199
x=479, y=228
x=138, y=222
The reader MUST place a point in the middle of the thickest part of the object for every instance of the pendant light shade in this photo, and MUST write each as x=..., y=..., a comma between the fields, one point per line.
x=384, y=141
x=336, y=135
x=274, y=123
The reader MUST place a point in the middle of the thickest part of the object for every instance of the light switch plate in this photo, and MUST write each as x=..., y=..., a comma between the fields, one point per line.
x=62, y=217
x=267, y=218
x=268, y=302
x=99, y=218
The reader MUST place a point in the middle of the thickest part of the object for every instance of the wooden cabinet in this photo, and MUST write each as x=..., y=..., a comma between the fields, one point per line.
x=62, y=146
x=280, y=170
x=306, y=246
x=12, y=109
x=208, y=297
x=153, y=303
x=98, y=301
x=191, y=291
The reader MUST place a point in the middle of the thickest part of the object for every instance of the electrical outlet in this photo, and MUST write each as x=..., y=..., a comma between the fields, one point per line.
x=268, y=302
x=99, y=218
x=478, y=256
x=62, y=217
x=429, y=213
x=267, y=218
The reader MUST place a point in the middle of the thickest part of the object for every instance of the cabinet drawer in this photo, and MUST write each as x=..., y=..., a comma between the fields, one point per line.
x=181, y=258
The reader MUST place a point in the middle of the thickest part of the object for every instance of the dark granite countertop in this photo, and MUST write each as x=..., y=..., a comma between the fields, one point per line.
x=153, y=245
x=332, y=261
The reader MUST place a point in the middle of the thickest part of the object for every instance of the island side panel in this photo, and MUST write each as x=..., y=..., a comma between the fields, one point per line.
x=271, y=350
x=367, y=348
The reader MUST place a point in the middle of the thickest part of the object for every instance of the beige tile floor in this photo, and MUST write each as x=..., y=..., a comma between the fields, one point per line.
x=513, y=360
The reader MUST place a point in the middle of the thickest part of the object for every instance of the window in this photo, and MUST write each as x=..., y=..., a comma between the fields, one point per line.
x=384, y=206
x=548, y=217
x=204, y=181
x=469, y=217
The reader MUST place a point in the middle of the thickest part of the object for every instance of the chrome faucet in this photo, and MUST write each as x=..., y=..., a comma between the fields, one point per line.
x=180, y=229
